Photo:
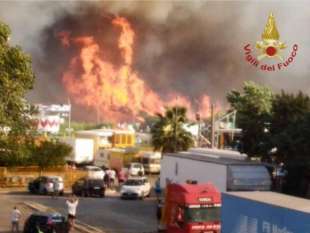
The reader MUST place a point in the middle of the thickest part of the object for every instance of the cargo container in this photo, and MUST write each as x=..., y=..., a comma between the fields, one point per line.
x=82, y=150
x=264, y=212
x=227, y=170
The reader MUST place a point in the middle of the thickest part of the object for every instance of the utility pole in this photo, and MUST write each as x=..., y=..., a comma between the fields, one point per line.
x=69, y=123
x=97, y=114
x=69, y=130
x=212, y=127
x=175, y=128
x=199, y=129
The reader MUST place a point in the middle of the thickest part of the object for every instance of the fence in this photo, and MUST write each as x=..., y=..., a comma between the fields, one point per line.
x=21, y=176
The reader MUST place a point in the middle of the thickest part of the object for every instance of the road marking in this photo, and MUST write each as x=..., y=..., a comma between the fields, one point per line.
x=80, y=226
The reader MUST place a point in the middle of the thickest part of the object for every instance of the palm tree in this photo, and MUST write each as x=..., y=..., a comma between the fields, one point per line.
x=168, y=133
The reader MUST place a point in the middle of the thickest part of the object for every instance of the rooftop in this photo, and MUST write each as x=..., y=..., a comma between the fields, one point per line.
x=224, y=157
x=104, y=132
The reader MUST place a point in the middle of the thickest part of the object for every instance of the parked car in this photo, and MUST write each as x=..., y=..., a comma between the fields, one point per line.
x=136, y=187
x=89, y=187
x=94, y=172
x=136, y=169
x=46, y=222
x=47, y=185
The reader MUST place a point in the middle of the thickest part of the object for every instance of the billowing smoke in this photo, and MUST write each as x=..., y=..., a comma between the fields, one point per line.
x=194, y=48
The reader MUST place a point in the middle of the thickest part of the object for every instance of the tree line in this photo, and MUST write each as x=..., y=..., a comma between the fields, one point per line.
x=276, y=128
x=20, y=144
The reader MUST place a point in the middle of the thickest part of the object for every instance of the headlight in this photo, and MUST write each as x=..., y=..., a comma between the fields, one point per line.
x=138, y=191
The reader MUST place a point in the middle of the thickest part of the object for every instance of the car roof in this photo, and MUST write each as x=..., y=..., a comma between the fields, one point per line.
x=47, y=214
x=137, y=178
x=58, y=177
x=88, y=179
x=89, y=166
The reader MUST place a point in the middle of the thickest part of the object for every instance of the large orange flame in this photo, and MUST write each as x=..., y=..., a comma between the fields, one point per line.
x=116, y=93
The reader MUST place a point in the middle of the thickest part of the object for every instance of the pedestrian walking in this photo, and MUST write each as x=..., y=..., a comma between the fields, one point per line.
x=72, y=204
x=106, y=180
x=112, y=175
x=56, y=189
x=157, y=189
x=15, y=217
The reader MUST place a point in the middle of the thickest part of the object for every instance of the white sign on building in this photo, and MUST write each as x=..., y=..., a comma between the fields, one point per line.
x=50, y=124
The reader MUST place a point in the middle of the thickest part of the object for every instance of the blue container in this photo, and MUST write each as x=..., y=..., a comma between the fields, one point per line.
x=264, y=212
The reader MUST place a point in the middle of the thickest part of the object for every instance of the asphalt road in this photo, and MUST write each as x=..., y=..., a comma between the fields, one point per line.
x=111, y=214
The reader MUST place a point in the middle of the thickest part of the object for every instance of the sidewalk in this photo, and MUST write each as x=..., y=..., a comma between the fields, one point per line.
x=111, y=192
x=13, y=190
x=7, y=205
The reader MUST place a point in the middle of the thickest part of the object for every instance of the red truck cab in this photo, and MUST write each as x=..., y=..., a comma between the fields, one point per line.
x=191, y=208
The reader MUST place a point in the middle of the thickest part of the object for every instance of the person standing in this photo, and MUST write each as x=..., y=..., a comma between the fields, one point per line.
x=15, y=217
x=72, y=204
x=157, y=189
x=56, y=188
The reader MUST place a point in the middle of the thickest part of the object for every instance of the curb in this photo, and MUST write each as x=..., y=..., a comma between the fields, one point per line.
x=79, y=226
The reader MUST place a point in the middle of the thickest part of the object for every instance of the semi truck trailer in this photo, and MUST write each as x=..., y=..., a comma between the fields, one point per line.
x=227, y=170
x=264, y=212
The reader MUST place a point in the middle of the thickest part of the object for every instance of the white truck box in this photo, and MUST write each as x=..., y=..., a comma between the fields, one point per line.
x=227, y=170
x=83, y=149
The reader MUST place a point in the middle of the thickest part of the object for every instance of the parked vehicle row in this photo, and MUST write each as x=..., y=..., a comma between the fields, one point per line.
x=133, y=183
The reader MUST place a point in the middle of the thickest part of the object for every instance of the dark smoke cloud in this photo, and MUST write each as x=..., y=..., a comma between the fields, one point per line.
x=192, y=47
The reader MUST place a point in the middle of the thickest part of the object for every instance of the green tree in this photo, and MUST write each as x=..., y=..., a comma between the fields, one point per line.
x=253, y=105
x=16, y=78
x=50, y=154
x=168, y=133
x=290, y=133
x=289, y=126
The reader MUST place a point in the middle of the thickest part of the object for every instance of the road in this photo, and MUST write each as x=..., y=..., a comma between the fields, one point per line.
x=110, y=214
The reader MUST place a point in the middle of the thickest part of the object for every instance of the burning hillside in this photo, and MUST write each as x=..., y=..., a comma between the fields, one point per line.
x=120, y=59
x=115, y=91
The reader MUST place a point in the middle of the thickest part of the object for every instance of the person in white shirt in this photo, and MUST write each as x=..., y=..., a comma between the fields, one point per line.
x=72, y=204
x=15, y=217
x=112, y=175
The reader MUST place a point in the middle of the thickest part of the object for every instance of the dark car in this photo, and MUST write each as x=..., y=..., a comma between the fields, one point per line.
x=46, y=185
x=46, y=222
x=89, y=187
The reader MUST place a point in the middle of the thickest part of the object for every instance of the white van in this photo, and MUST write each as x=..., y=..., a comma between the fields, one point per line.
x=151, y=162
x=94, y=172
x=136, y=169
